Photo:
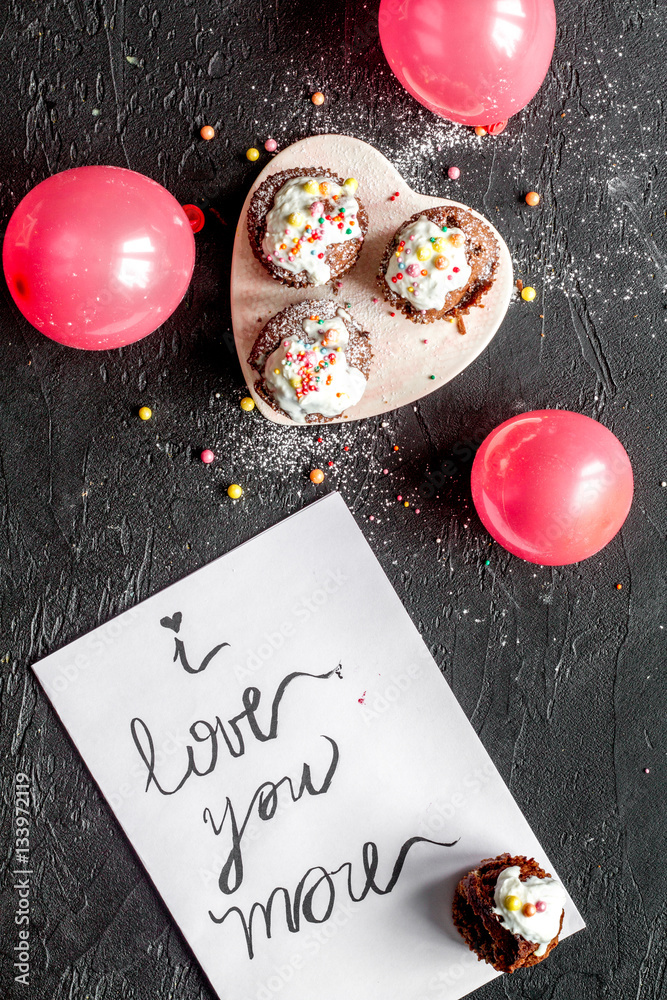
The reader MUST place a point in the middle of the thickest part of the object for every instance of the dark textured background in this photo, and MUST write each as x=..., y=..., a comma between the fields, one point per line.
x=558, y=671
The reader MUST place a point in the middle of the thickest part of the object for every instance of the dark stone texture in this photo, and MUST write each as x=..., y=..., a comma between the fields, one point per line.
x=558, y=671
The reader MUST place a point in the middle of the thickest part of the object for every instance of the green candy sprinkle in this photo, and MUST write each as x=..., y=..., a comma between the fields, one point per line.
x=432, y=377
x=444, y=229
x=348, y=231
x=487, y=562
x=320, y=221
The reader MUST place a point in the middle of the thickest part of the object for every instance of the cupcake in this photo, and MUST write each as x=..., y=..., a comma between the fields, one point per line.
x=439, y=264
x=313, y=361
x=306, y=227
x=509, y=912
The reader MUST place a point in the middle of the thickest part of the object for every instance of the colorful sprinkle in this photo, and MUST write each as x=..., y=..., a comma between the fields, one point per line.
x=528, y=293
x=317, y=476
x=195, y=217
x=234, y=491
x=512, y=902
x=480, y=130
x=252, y=154
x=351, y=183
x=207, y=132
x=318, y=98
x=532, y=198
x=454, y=173
x=529, y=909
x=247, y=404
x=270, y=145
x=540, y=906
x=207, y=456
x=145, y=412
x=432, y=377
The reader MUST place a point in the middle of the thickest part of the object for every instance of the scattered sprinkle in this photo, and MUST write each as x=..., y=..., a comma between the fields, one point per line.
x=270, y=145
x=406, y=503
x=619, y=586
x=480, y=130
x=454, y=173
x=647, y=770
x=487, y=562
x=247, y=404
x=207, y=132
x=385, y=472
x=532, y=198
x=317, y=476
x=329, y=464
x=432, y=377
x=528, y=293
x=207, y=456
x=399, y=497
x=318, y=98
x=195, y=216
x=234, y=491
x=371, y=517
x=145, y=412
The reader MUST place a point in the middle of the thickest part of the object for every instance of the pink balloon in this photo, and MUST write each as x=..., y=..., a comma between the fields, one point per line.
x=551, y=486
x=98, y=257
x=474, y=61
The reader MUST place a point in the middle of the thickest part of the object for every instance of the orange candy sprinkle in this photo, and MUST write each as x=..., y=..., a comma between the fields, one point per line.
x=318, y=98
x=207, y=132
x=317, y=476
x=532, y=198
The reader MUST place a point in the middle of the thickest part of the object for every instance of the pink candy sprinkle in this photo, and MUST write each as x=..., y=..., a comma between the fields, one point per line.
x=376, y=300
x=207, y=456
x=385, y=472
x=417, y=511
x=371, y=517
x=454, y=173
x=399, y=498
x=540, y=906
x=426, y=341
x=270, y=145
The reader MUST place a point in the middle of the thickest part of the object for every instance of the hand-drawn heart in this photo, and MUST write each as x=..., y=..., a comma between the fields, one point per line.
x=402, y=363
x=173, y=623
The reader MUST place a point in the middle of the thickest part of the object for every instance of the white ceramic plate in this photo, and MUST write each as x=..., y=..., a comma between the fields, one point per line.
x=402, y=363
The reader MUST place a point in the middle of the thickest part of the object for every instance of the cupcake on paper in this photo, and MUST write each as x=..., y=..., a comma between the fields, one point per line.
x=509, y=911
x=313, y=360
x=306, y=226
x=439, y=264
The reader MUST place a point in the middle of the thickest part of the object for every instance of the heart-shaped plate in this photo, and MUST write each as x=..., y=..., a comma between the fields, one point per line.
x=402, y=363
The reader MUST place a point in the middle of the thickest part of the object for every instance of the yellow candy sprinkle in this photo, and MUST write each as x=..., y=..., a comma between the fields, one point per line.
x=410, y=288
x=352, y=183
x=295, y=382
x=295, y=219
x=234, y=491
x=145, y=413
x=528, y=293
x=512, y=903
x=252, y=154
x=439, y=244
x=276, y=371
x=423, y=253
x=247, y=404
x=310, y=187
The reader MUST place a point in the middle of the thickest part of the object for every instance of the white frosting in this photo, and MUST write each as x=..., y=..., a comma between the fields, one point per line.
x=310, y=374
x=405, y=272
x=300, y=244
x=542, y=927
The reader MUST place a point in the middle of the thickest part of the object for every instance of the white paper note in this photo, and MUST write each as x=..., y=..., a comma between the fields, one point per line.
x=293, y=770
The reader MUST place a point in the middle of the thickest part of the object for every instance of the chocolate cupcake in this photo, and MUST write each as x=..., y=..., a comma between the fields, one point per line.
x=306, y=226
x=313, y=360
x=439, y=264
x=509, y=912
